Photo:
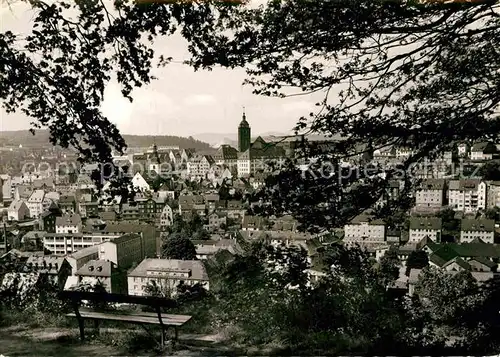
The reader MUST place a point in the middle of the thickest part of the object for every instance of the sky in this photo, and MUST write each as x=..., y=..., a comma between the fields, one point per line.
x=181, y=102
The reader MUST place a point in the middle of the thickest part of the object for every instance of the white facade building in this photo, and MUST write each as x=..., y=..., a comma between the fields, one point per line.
x=69, y=243
x=472, y=229
x=35, y=203
x=493, y=194
x=166, y=274
x=421, y=227
x=166, y=217
x=69, y=224
x=468, y=196
x=140, y=183
x=364, y=229
x=199, y=166
x=17, y=211
x=430, y=194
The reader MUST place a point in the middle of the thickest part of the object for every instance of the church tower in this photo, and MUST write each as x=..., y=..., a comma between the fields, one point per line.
x=243, y=134
x=156, y=157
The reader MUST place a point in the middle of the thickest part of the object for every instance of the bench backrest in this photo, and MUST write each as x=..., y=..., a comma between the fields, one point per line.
x=77, y=296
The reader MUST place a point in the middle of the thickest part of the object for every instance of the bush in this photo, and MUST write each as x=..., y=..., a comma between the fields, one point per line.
x=31, y=298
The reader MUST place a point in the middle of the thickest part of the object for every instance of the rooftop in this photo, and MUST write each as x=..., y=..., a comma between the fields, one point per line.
x=432, y=184
x=425, y=223
x=69, y=220
x=196, y=267
x=464, y=184
x=478, y=225
x=37, y=196
x=96, y=268
x=81, y=253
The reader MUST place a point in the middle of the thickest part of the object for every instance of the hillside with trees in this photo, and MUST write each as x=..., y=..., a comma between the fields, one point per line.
x=41, y=139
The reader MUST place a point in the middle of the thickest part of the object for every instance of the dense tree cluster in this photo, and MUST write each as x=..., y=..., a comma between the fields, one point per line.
x=265, y=296
x=178, y=246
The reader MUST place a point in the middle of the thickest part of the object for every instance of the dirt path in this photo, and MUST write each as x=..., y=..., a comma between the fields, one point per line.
x=24, y=341
x=49, y=342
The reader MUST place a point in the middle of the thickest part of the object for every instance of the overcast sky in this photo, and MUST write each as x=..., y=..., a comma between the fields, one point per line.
x=181, y=102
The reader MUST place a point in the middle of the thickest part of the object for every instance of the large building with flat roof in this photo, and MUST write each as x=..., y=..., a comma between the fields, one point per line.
x=167, y=274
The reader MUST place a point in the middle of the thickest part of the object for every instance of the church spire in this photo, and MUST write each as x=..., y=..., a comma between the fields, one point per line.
x=244, y=134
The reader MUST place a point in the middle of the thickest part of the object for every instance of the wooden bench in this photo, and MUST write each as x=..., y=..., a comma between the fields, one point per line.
x=165, y=321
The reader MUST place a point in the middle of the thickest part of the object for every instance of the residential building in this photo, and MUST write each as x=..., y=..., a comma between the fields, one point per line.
x=253, y=223
x=468, y=196
x=84, y=182
x=211, y=201
x=287, y=238
x=57, y=269
x=33, y=241
x=472, y=229
x=139, y=183
x=188, y=202
x=47, y=219
x=87, y=206
x=199, y=166
x=105, y=273
x=235, y=209
x=483, y=151
x=206, y=249
x=403, y=153
x=364, y=229
x=450, y=259
x=493, y=194
x=392, y=192
x=168, y=274
x=150, y=208
x=17, y=211
x=167, y=217
x=216, y=220
x=129, y=212
x=430, y=194
x=35, y=203
x=22, y=192
x=67, y=203
x=69, y=223
x=463, y=149
x=421, y=227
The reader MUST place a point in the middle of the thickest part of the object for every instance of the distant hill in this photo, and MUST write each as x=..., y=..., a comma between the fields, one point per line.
x=165, y=140
x=41, y=139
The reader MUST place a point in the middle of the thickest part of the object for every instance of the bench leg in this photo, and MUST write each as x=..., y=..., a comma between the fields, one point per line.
x=82, y=329
x=96, y=326
x=162, y=340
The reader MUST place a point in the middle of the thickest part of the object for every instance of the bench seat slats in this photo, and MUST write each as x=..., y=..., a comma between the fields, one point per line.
x=168, y=321
x=143, y=313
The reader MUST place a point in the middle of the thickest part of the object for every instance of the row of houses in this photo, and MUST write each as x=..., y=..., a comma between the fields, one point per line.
x=365, y=229
x=476, y=152
x=468, y=196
